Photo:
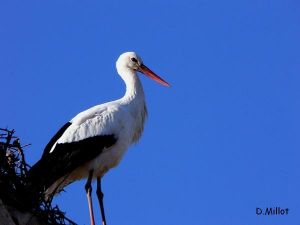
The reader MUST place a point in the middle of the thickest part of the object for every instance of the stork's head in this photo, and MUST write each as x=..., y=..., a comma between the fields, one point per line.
x=131, y=61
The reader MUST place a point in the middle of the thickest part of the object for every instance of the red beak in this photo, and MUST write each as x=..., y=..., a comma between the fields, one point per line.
x=145, y=70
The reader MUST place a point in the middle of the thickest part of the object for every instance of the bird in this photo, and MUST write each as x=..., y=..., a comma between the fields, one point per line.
x=95, y=140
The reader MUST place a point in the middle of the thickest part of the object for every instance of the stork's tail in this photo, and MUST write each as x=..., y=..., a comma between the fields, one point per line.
x=39, y=179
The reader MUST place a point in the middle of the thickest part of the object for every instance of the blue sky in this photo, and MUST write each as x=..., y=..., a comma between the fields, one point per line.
x=223, y=140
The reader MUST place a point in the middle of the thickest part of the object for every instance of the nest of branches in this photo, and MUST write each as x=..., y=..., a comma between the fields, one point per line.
x=13, y=180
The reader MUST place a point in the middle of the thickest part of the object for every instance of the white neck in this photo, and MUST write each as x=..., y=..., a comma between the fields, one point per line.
x=134, y=88
x=134, y=98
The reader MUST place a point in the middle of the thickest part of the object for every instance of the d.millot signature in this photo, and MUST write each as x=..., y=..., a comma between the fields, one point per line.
x=270, y=211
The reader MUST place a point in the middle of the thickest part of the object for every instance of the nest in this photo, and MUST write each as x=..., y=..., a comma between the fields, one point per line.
x=13, y=180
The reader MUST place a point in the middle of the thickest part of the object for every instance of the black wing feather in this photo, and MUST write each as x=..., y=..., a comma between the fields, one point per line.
x=65, y=158
x=55, y=138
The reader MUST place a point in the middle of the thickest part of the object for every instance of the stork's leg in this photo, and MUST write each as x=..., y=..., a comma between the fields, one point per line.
x=100, y=198
x=88, y=189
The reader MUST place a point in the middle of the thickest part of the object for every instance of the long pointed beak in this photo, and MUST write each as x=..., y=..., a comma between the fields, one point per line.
x=145, y=70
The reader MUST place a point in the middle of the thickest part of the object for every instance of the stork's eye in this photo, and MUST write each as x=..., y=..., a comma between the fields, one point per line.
x=133, y=59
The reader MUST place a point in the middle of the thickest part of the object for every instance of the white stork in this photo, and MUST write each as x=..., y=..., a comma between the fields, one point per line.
x=96, y=139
